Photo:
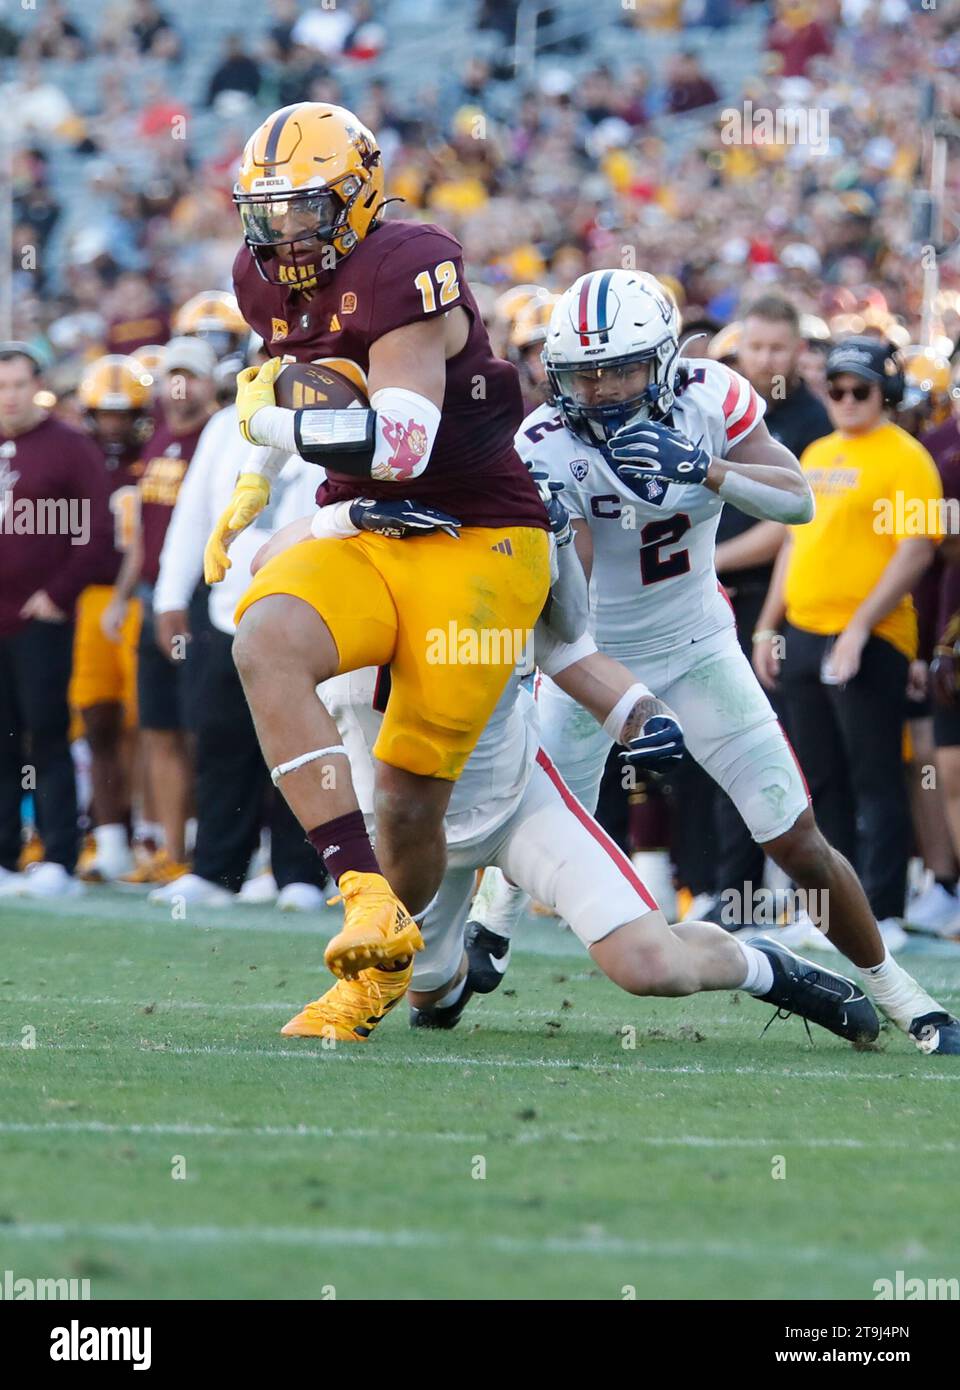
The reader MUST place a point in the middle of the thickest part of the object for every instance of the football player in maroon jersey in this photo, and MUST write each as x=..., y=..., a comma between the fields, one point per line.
x=321, y=275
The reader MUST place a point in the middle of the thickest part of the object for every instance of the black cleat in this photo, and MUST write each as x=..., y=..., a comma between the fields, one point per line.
x=432, y=1017
x=818, y=994
x=488, y=954
x=937, y=1034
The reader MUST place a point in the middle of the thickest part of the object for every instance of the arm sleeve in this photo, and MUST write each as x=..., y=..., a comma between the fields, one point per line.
x=554, y=656
x=420, y=278
x=568, y=605
x=89, y=488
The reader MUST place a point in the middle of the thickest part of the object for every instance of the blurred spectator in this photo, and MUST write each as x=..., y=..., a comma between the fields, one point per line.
x=53, y=35
x=159, y=112
x=500, y=16
x=688, y=86
x=53, y=486
x=797, y=37
x=323, y=29
x=767, y=354
x=366, y=39
x=42, y=108
x=153, y=32
x=236, y=72
x=841, y=594
x=34, y=205
x=136, y=315
x=279, y=41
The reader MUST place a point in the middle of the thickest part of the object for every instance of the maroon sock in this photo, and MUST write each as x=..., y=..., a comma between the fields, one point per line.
x=344, y=844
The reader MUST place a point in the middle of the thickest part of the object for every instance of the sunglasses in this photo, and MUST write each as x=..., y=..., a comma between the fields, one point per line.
x=859, y=393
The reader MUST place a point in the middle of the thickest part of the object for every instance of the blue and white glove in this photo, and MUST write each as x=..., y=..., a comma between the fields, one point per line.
x=557, y=514
x=648, y=449
x=400, y=520
x=659, y=743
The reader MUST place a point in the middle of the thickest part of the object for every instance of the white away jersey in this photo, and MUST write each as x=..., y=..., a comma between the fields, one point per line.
x=653, y=586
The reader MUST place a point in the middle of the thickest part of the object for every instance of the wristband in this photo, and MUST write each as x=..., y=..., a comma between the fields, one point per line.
x=764, y=634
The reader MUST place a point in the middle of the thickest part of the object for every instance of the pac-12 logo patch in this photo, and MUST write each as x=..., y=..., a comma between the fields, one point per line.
x=579, y=468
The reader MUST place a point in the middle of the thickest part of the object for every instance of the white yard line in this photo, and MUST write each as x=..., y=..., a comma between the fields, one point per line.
x=369, y=1056
x=494, y=1242
x=525, y=1135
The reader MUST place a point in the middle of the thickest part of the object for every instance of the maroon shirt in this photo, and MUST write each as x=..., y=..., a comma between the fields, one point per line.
x=402, y=273
x=943, y=443
x=55, y=531
x=165, y=461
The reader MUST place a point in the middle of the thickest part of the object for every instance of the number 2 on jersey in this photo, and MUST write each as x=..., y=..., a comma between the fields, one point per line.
x=655, y=535
x=445, y=277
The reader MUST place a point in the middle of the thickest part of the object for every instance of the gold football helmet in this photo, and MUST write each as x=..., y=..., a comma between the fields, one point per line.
x=310, y=179
x=927, y=383
x=114, y=394
x=150, y=357
x=722, y=347
x=214, y=315
x=509, y=304
x=529, y=327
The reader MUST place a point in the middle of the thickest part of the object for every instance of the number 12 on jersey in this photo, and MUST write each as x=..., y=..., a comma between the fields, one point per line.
x=442, y=277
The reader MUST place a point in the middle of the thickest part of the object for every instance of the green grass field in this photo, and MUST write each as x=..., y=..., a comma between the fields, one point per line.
x=157, y=1048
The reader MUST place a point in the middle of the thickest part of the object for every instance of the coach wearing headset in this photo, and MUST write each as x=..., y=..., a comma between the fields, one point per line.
x=838, y=629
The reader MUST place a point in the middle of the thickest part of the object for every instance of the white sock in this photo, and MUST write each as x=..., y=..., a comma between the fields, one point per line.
x=148, y=830
x=112, y=839
x=498, y=904
x=452, y=996
x=759, y=977
x=897, y=993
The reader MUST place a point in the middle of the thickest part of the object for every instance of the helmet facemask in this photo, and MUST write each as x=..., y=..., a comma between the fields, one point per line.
x=596, y=424
x=320, y=219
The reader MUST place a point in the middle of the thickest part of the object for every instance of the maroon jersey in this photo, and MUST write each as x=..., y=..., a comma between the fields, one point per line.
x=126, y=335
x=943, y=444
x=401, y=273
x=123, y=469
x=54, y=521
x=166, y=459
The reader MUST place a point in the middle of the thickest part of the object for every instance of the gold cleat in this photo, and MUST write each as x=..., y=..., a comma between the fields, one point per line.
x=351, y=1010
x=87, y=862
x=377, y=928
x=31, y=852
x=157, y=868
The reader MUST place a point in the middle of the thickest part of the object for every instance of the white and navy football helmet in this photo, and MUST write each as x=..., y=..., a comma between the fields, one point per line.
x=601, y=327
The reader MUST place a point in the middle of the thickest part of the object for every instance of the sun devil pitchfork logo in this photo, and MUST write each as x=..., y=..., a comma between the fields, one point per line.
x=409, y=444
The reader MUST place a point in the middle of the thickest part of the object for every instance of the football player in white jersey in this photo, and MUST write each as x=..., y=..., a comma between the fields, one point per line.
x=648, y=446
x=512, y=809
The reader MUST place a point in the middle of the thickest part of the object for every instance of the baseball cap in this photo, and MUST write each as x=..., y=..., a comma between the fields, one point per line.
x=193, y=355
x=864, y=357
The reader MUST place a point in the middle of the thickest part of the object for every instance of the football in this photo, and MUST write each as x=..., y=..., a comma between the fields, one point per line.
x=329, y=384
